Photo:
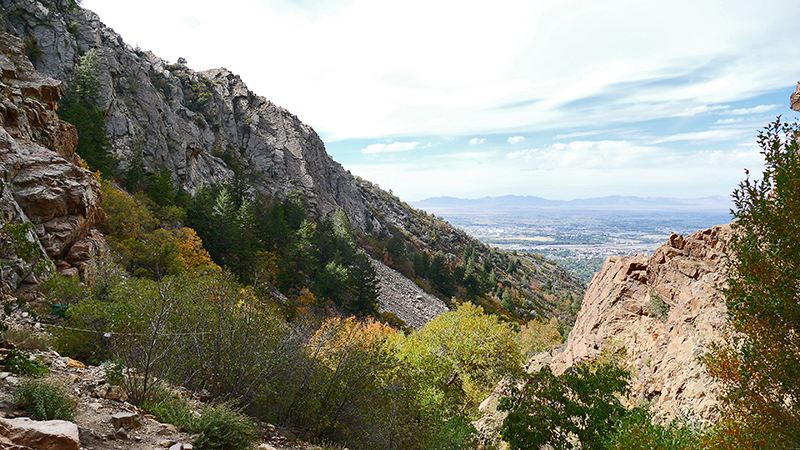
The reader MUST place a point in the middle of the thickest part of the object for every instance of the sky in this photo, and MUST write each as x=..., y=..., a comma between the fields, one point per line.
x=560, y=99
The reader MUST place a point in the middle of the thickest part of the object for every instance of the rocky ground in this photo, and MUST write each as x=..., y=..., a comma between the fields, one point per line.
x=104, y=419
x=400, y=296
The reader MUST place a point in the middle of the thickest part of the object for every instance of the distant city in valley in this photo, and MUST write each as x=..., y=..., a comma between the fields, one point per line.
x=579, y=234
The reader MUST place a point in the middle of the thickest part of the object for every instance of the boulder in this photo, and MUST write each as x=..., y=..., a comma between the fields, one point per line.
x=126, y=420
x=41, y=435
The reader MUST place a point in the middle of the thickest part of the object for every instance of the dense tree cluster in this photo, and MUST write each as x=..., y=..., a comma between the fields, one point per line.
x=275, y=243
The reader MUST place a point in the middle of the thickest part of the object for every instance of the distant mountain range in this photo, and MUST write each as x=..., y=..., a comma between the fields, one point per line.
x=612, y=203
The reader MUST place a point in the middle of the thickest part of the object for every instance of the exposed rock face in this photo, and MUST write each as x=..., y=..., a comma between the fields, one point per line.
x=794, y=100
x=625, y=308
x=622, y=310
x=42, y=180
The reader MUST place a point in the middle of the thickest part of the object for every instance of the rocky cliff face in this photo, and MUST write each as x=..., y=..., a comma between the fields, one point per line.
x=200, y=125
x=659, y=314
x=42, y=180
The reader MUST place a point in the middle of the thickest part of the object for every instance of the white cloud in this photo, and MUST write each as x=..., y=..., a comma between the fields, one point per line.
x=395, y=83
x=477, y=141
x=594, y=155
x=742, y=133
x=563, y=69
x=580, y=169
x=754, y=110
x=688, y=112
x=729, y=121
x=516, y=139
x=390, y=148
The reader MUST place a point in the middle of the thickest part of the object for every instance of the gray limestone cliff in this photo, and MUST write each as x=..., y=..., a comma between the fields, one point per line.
x=199, y=125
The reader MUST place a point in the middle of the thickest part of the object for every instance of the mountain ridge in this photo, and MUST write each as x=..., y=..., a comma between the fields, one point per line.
x=613, y=202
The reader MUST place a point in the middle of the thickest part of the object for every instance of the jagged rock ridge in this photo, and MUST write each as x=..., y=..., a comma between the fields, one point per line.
x=658, y=315
x=662, y=313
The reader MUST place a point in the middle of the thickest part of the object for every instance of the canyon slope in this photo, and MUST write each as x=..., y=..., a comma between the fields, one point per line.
x=42, y=182
x=208, y=129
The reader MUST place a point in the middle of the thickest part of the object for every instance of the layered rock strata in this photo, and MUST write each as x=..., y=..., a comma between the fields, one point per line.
x=42, y=179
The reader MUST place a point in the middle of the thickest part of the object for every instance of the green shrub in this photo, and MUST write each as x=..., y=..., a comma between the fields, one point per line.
x=574, y=410
x=169, y=407
x=113, y=372
x=45, y=400
x=221, y=427
x=658, y=308
x=637, y=431
x=22, y=363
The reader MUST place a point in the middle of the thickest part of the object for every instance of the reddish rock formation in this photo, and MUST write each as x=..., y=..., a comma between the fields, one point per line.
x=42, y=179
x=794, y=100
x=661, y=313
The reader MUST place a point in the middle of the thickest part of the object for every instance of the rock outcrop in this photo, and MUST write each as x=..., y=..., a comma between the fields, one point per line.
x=657, y=315
x=42, y=180
x=794, y=100
x=660, y=314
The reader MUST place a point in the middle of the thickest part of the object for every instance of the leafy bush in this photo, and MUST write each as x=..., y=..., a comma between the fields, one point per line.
x=575, y=410
x=24, y=363
x=637, y=431
x=114, y=373
x=169, y=407
x=45, y=400
x=221, y=427
x=538, y=336
x=657, y=307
